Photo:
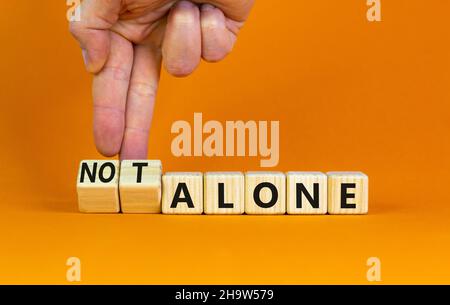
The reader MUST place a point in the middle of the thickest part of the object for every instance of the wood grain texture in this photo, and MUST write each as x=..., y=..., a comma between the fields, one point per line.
x=254, y=180
x=187, y=184
x=140, y=186
x=356, y=184
x=95, y=196
x=231, y=185
x=315, y=184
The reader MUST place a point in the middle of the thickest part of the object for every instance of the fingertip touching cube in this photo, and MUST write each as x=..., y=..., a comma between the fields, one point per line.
x=140, y=186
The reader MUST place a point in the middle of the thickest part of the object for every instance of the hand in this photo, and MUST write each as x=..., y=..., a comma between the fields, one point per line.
x=123, y=43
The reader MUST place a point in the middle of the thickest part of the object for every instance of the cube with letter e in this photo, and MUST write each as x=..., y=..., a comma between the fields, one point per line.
x=348, y=193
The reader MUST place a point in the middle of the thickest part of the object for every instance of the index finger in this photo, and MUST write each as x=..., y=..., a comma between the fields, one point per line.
x=110, y=89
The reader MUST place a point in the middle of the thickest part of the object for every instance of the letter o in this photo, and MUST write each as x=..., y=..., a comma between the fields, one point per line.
x=111, y=175
x=257, y=192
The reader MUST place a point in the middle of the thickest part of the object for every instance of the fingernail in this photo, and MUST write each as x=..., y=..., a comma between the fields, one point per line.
x=185, y=4
x=85, y=58
x=207, y=7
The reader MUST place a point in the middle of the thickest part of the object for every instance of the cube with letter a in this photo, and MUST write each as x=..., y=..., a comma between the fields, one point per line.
x=182, y=193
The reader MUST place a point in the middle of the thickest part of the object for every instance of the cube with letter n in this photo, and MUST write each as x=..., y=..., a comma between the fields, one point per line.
x=98, y=186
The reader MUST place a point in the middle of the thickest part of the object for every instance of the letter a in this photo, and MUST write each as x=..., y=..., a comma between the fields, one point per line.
x=374, y=11
x=73, y=274
x=374, y=272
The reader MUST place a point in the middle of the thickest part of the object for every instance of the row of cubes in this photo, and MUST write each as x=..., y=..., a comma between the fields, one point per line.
x=139, y=186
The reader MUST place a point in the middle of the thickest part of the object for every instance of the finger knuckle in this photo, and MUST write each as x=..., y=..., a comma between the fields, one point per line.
x=143, y=90
x=209, y=24
x=118, y=73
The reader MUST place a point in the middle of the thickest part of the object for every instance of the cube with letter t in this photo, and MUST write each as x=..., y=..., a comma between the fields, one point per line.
x=348, y=193
x=140, y=186
x=98, y=187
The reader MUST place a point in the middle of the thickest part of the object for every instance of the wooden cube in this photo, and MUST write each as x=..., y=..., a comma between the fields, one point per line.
x=182, y=193
x=306, y=193
x=224, y=193
x=98, y=186
x=348, y=193
x=265, y=193
x=140, y=186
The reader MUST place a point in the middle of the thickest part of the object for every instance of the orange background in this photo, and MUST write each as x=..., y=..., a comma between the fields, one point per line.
x=349, y=95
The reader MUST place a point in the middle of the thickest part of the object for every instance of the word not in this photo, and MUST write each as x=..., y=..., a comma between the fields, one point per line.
x=189, y=141
x=138, y=186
